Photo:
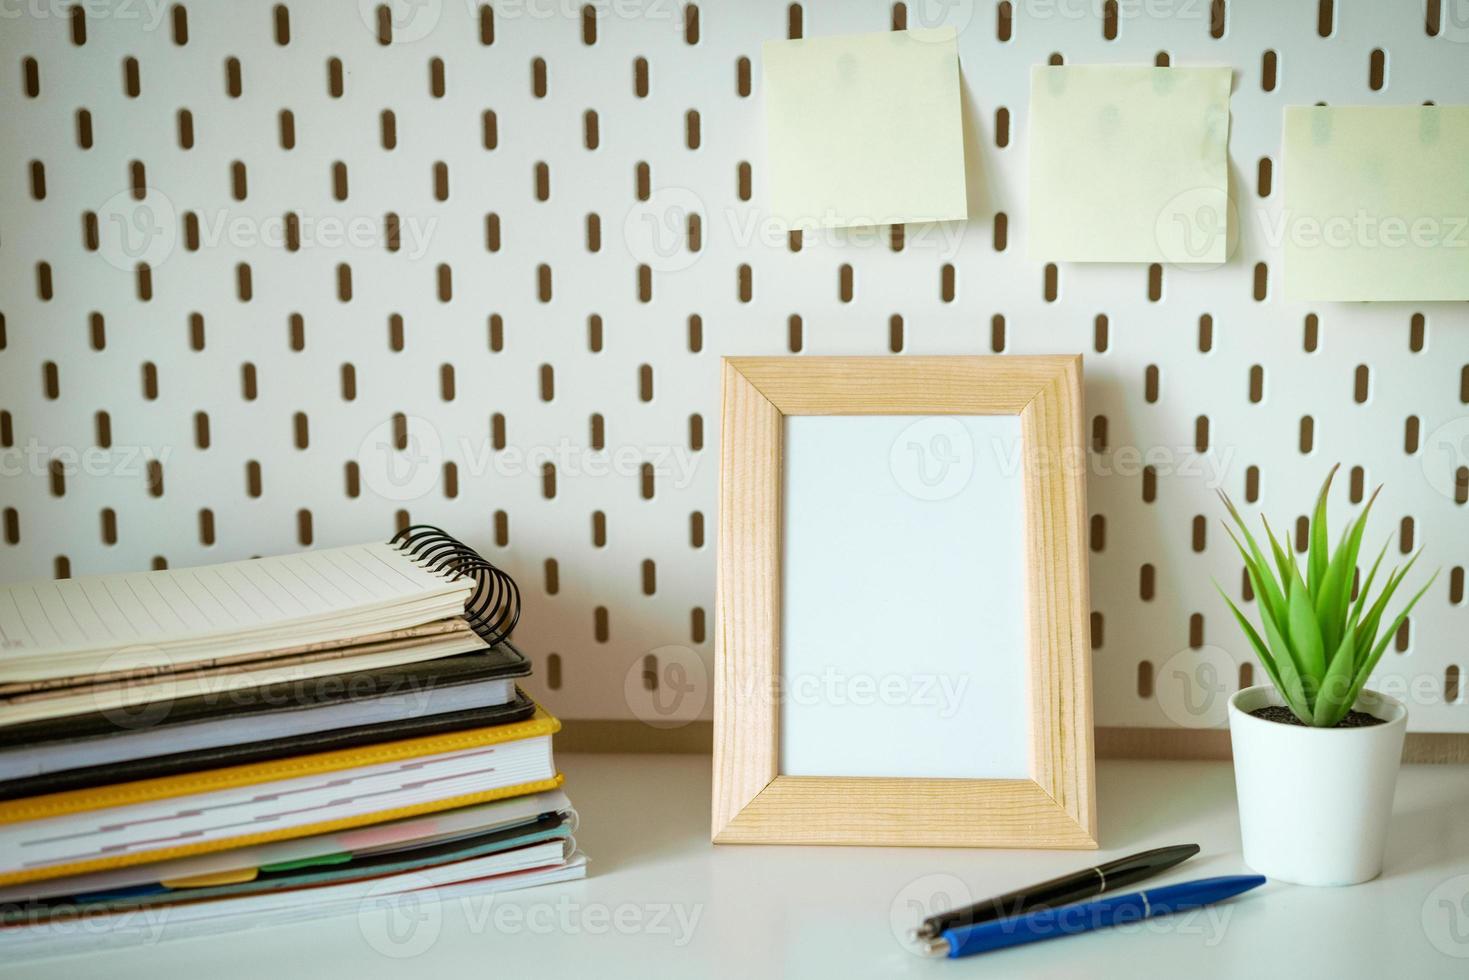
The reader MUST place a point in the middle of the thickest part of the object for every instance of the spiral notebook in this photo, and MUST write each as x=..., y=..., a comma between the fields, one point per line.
x=159, y=622
x=111, y=642
x=187, y=615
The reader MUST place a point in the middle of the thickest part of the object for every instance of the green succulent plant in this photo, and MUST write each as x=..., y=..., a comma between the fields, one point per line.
x=1320, y=644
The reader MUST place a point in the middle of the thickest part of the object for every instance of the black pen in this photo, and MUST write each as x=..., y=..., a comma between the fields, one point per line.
x=1061, y=891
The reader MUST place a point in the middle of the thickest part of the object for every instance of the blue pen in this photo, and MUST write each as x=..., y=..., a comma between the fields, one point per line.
x=1067, y=920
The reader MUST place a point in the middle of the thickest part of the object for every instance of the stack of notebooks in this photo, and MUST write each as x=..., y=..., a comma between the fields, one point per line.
x=214, y=748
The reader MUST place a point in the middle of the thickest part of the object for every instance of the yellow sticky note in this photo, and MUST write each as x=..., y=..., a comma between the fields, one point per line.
x=865, y=129
x=1128, y=164
x=1376, y=203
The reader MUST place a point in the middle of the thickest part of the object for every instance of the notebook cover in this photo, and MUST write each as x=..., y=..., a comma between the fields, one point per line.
x=136, y=697
x=199, y=920
x=308, y=851
x=161, y=669
x=504, y=661
x=551, y=827
x=158, y=766
x=122, y=794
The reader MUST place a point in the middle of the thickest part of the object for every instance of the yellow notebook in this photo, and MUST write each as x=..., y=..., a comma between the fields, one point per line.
x=176, y=816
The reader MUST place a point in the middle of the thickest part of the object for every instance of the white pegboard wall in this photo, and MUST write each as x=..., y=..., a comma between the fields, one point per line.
x=302, y=373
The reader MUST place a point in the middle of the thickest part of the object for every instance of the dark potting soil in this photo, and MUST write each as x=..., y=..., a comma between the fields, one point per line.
x=1285, y=716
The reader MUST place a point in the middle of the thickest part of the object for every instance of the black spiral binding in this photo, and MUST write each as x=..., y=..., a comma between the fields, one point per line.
x=493, y=608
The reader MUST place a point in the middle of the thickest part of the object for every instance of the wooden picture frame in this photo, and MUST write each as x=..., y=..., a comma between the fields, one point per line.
x=752, y=801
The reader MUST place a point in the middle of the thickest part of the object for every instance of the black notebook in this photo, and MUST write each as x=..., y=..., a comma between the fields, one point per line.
x=519, y=708
x=204, y=721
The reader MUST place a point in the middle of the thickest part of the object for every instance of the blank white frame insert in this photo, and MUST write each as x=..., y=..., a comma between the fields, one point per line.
x=904, y=648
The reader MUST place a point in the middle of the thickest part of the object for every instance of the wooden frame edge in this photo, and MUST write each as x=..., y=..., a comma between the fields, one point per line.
x=745, y=744
x=900, y=385
x=751, y=801
x=905, y=812
x=1054, y=459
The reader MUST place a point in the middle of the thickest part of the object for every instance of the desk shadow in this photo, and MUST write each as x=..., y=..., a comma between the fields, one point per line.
x=1433, y=836
x=623, y=829
x=1132, y=810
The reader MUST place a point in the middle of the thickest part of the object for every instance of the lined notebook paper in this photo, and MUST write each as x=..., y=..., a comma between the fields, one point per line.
x=181, y=616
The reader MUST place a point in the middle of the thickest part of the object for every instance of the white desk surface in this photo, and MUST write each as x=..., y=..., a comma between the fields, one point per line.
x=662, y=901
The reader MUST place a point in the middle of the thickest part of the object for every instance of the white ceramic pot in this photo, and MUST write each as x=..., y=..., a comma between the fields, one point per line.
x=1314, y=803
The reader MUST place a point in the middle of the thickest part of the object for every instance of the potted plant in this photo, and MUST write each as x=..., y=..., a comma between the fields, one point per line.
x=1315, y=753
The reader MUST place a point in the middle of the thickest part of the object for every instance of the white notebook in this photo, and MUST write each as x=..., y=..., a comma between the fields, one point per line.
x=70, y=627
x=276, y=806
x=408, y=896
x=375, y=838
